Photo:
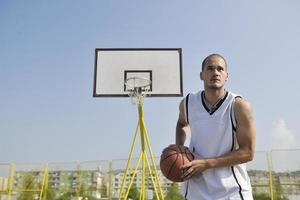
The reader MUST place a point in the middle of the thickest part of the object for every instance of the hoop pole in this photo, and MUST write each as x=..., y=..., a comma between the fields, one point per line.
x=154, y=165
x=144, y=176
x=142, y=157
x=152, y=178
x=133, y=175
x=43, y=193
x=128, y=161
x=143, y=145
x=145, y=139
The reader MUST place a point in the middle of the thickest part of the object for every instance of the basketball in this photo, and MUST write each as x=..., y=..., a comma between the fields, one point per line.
x=172, y=158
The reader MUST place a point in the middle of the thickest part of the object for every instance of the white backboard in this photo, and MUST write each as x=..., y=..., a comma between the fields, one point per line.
x=162, y=66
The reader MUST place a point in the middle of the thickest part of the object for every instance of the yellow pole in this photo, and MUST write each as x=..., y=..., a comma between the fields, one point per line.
x=270, y=165
x=143, y=145
x=110, y=181
x=11, y=180
x=133, y=175
x=152, y=179
x=44, y=184
x=143, y=155
x=144, y=176
x=128, y=162
x=146, y=143
x=154, y=166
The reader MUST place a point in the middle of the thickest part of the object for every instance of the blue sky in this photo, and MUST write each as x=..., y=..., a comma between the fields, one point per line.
x=47, y=112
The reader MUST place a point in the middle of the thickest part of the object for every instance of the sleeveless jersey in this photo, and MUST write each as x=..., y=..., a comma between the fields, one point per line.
x=213, y=134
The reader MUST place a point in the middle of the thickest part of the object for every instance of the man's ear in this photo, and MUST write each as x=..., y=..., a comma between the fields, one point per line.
x=201, y=76
x=227, y=77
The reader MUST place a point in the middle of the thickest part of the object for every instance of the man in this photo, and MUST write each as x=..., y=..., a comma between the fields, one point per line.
x=222, y=137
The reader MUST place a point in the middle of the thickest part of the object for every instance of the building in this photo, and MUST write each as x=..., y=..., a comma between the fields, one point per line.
x=91, y=182
x=137, y=181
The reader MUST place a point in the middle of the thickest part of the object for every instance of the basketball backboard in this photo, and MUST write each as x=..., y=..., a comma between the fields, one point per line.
x=163, y=67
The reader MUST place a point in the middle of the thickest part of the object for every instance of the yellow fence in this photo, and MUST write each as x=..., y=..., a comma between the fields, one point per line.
x=274, y=175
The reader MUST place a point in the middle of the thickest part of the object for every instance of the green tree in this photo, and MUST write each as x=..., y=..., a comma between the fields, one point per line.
x=134, y=194
x=50, y=194
x=278, y=190
x=65, y=196
x=173, y=193
x=85, y=192
x=261, y=196
x=154, y=195
x=27, y=184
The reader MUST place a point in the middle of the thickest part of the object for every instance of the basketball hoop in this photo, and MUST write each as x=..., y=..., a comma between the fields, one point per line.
x=137, y=87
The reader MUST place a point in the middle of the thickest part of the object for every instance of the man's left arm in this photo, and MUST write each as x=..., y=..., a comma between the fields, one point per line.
x=245, y=131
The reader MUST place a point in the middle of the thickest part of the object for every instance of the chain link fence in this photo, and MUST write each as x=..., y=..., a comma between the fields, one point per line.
x=274, y=175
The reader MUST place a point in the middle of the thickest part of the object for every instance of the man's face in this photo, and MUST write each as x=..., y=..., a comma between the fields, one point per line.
x=214, y=73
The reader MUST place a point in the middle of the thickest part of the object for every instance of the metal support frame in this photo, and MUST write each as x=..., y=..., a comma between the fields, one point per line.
x=43, y=193
x=11, y=181
x=143, y=157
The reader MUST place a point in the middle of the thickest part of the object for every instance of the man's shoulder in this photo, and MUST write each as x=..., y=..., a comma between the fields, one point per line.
x=241, y=104
x=193, y=94
x=188, y=97
x=233, y=94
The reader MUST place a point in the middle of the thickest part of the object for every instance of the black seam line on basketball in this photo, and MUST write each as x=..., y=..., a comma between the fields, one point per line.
x=176, y=153
x=168, y=156
x=187, y=107
x=172, y=166
x=170, y=148
x=240, y=188
x=186, y=154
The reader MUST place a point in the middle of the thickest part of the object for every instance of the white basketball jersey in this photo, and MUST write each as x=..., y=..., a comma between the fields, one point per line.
x=213, y=135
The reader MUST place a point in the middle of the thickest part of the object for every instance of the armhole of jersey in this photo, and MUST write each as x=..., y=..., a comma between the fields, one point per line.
x=233, y=120
x=186, y=108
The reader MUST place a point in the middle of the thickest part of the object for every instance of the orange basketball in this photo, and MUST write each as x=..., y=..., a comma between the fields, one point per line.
x=172, y=158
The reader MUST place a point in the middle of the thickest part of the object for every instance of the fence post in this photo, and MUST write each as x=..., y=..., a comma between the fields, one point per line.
x=110, y=181
x=270, y=167
x=11, y=180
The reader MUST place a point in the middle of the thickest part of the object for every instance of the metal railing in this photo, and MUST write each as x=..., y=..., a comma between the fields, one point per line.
x=274, y=174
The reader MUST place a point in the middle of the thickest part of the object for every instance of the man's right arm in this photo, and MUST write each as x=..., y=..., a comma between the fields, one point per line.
x=182, y=125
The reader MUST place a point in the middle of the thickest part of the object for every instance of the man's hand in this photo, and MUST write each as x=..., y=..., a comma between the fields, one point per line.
x=196, y=166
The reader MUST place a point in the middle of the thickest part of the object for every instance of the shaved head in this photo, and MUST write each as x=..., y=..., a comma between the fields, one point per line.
x=210, y=56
